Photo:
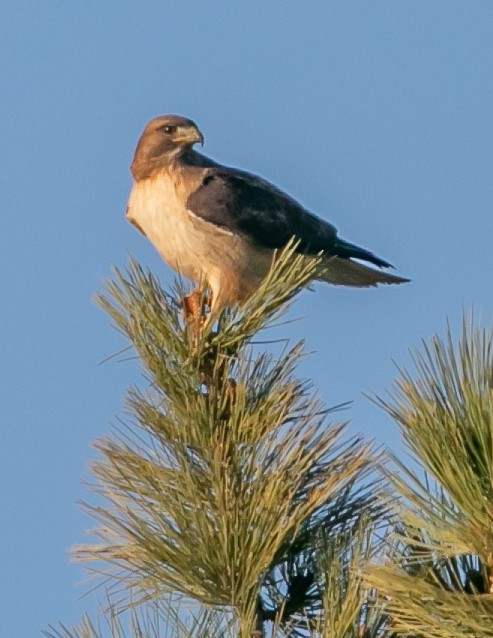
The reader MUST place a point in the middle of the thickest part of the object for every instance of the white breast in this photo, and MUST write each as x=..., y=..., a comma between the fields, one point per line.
x=193, y=247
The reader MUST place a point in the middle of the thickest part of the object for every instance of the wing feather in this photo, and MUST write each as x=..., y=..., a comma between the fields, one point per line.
x=248, y=205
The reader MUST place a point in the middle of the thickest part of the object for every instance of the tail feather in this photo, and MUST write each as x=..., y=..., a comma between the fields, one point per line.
x=346, y=250
x=344, y=272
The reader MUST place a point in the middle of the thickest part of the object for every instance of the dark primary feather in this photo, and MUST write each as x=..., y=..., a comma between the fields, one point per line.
x=248, y=205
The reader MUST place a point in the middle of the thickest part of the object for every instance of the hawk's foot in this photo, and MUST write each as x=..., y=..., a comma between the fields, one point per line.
x=196, y=305
x=192, y=306
x=195, y=308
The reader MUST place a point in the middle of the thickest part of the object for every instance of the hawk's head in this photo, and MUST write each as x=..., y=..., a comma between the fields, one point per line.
x=164, y=138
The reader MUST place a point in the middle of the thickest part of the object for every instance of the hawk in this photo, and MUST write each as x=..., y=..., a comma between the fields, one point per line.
x=220, y=226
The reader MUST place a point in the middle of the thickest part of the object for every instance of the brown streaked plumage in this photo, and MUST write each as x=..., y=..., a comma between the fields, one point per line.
x=220, y=226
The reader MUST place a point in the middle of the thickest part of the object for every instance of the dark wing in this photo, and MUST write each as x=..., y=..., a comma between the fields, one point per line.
x=245, y=204
x=248, y=205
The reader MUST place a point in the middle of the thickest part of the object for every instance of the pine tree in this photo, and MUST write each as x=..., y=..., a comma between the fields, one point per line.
x=439, y=581
x=228, y=490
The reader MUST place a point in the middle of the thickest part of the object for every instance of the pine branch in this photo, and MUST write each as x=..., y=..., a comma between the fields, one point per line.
x=320, y=594
x=228, y=460
x=164, y=618
x=418, y=607
x=439, y=582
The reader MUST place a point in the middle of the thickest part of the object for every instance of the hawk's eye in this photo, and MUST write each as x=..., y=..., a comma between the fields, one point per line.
x=168, y=129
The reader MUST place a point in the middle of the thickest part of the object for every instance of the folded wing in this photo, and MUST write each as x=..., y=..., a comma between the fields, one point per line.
x=251, y=207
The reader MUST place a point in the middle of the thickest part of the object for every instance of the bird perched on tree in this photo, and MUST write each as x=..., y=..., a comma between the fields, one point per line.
x=220, y=226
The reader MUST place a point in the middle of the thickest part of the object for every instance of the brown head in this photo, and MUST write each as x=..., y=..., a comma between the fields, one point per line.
x=165, y=138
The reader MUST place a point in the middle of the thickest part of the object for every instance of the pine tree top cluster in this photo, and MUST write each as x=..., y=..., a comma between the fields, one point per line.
x=233, y=503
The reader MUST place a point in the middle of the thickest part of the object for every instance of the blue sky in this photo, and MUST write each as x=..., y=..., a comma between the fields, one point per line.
x=375, y=114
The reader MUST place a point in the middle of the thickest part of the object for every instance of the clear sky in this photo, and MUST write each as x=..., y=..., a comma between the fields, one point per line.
x=378, y=115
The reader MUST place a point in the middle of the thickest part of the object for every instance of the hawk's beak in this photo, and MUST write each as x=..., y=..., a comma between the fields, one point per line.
x=188, y=135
